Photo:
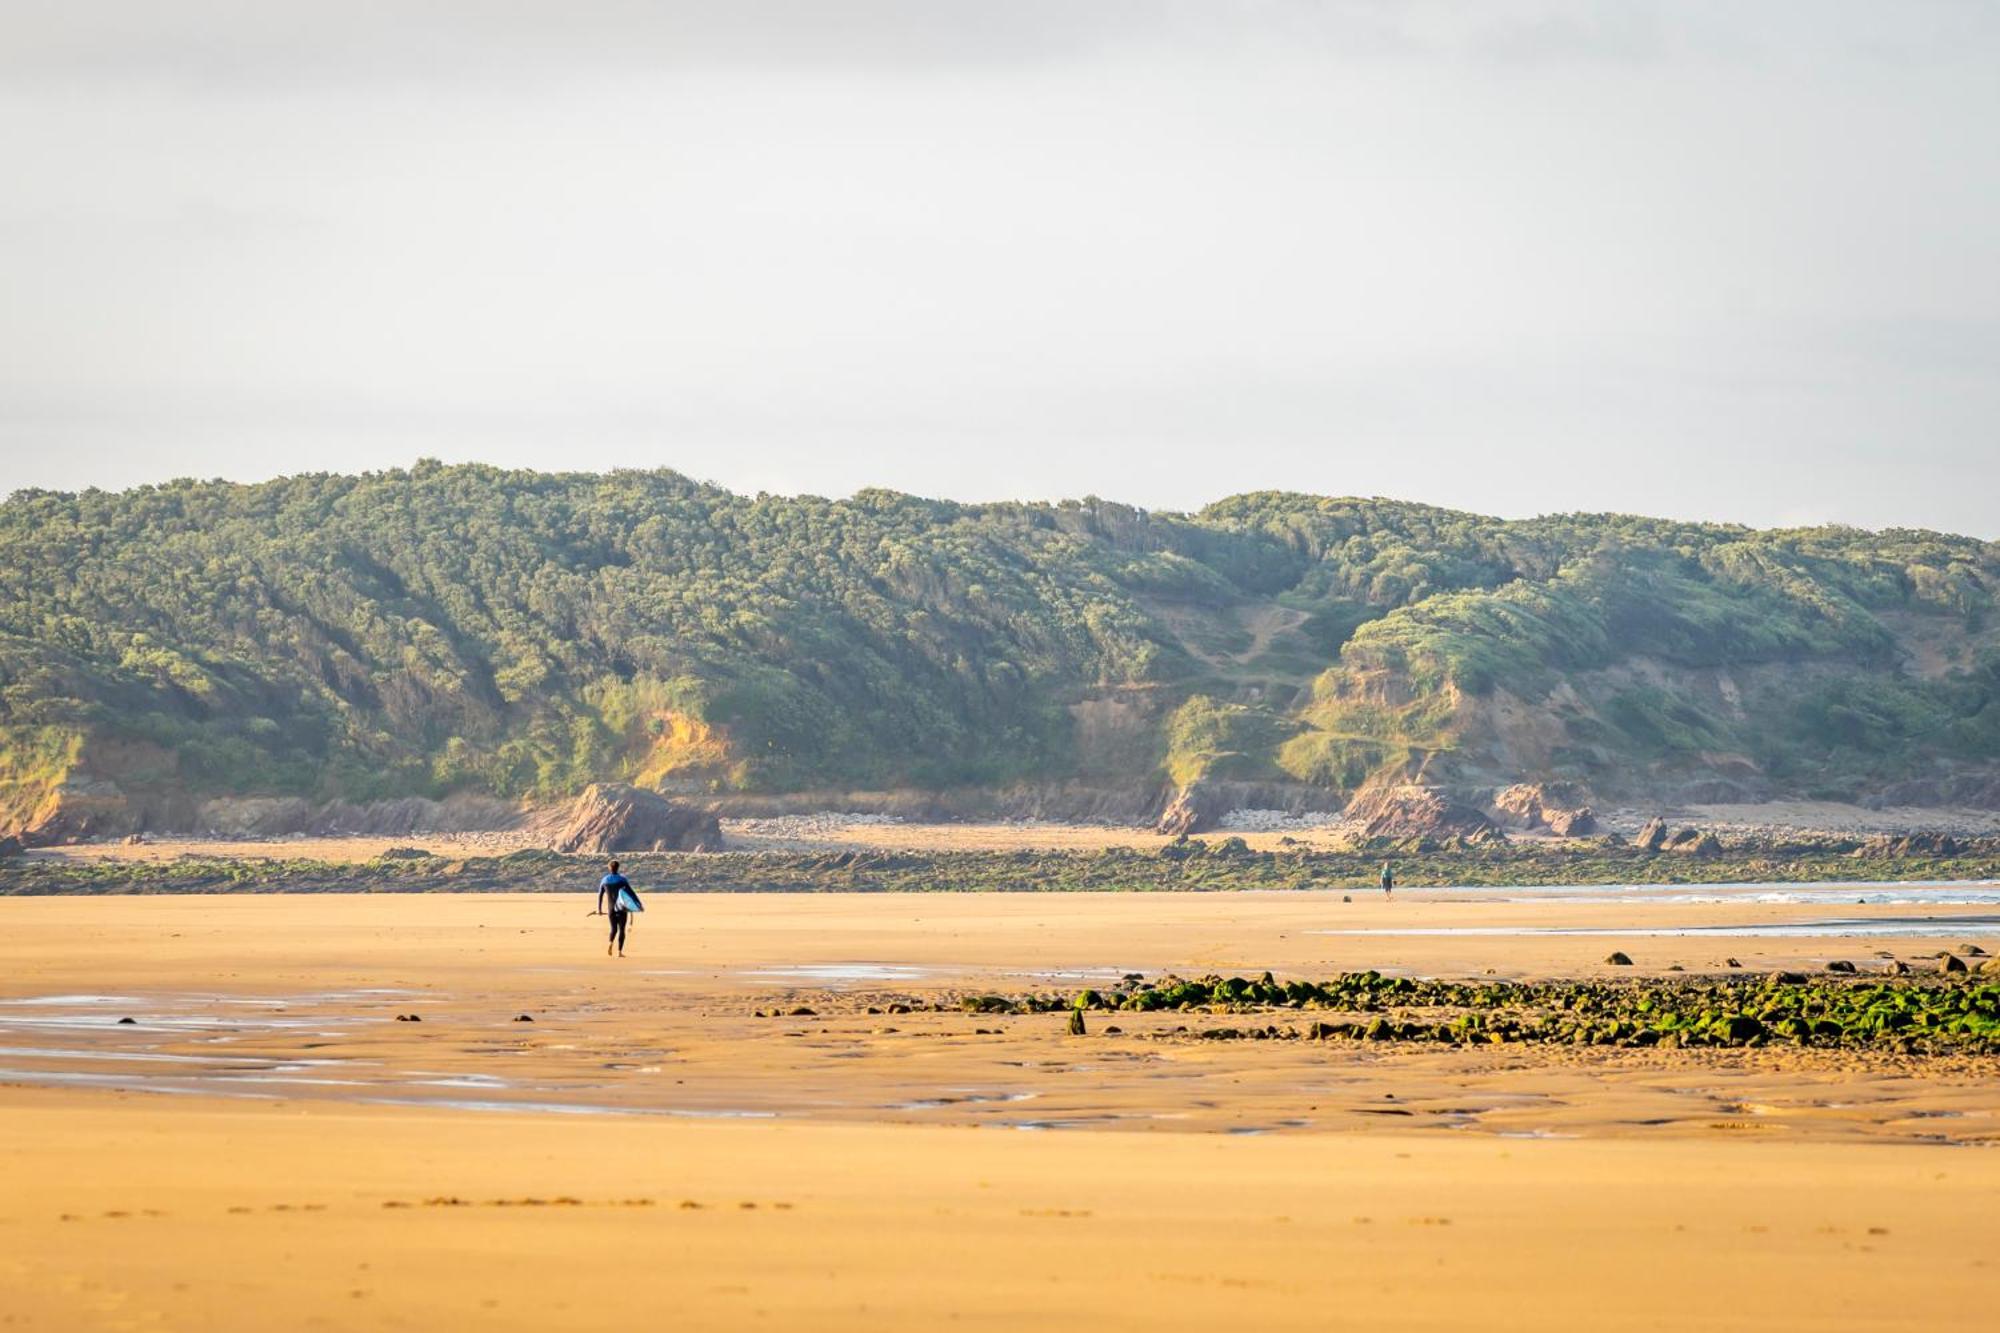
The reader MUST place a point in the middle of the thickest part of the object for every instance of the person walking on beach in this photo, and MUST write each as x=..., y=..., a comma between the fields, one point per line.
x=1388, y=876
x=615, y=897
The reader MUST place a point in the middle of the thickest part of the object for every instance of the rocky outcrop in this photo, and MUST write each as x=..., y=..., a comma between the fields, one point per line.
x=1658, y=837
x=1563, y=808
x=610, y=818
x=1579, y=823
x=77, y=811
x=1195, y=809
x=283, y=816
x=10, y=846
x=1910, y=844
x=1413, y=810
x=1974, y=791
x=1703, y=845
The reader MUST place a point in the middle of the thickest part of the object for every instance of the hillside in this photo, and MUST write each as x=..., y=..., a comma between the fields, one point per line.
x=464, y=630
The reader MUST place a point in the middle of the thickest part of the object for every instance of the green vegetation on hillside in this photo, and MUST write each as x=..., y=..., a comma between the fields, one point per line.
x=466, y=628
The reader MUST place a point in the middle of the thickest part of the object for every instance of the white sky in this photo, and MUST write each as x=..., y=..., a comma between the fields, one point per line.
x=1712, y=260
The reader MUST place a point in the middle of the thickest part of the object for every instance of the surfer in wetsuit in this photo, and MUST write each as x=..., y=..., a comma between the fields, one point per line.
x=607, y=901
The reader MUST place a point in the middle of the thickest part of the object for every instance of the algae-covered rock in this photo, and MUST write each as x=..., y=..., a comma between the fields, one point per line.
x=1739, y=1028
x=1618, y=958
x=1076, y=1028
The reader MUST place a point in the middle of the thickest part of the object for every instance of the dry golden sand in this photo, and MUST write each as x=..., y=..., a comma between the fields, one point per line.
x=322, y=1166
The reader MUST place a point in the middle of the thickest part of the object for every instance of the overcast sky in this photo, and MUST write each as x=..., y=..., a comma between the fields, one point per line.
x=1714, y=260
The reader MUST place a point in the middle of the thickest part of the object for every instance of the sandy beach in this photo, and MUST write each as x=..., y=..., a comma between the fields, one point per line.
x=265, y=1145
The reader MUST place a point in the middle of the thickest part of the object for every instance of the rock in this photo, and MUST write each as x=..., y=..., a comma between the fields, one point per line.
x=803, y=1012
x=1840, y=965
x=136, y=840
x=1705, y=846
x=1739, y=1027
x=405, y=854
x=10, y=846
x=1114, y=1031
x=524, y=1018
x=1990, y=968
x=1076, y=1028
x=611, y=817
x=408, y=1018
x=1412, y=810
x=1618, y=958
x=1910, y=844
x=1563, y=808
x=1971, y=951
x=78, y=810
x=1897, y=968
x=123, y=1021
x=1652, y=837
x=1949, y=963
x=1579, y=823
x=1788, y=978
x=1731, y=962
x=1194, y=809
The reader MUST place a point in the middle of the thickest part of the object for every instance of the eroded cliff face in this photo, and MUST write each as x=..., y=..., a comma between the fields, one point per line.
x=67, y=786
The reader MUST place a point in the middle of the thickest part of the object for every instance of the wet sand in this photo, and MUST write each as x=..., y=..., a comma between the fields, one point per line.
x=264, y=1141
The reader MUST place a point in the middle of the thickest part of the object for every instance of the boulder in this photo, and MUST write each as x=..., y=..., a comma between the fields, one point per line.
x=1413, y=810
x=1561, y=807
x=1656, y=837
x=1195, y=809
x=1704, y=845
x=1840, y=965
x=1578, y=823
x=1618, y=958
x=610, y=818
x=10, y=846
x=1951, y=963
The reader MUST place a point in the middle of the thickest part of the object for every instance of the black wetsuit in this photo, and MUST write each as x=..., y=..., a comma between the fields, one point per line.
x=608, y=894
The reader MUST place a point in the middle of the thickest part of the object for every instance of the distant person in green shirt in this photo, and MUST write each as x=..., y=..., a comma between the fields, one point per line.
x=1388, y=876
